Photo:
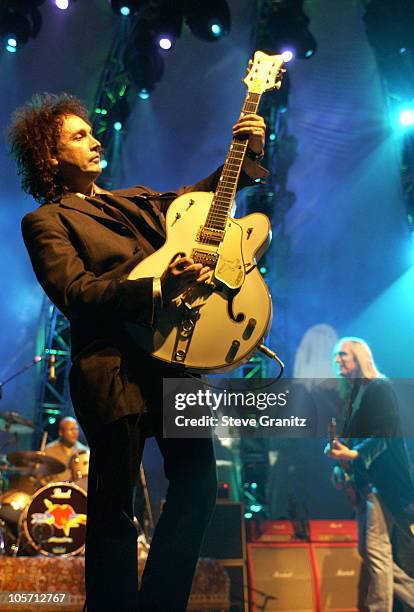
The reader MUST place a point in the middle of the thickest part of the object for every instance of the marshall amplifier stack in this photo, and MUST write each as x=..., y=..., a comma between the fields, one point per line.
x=320, y=574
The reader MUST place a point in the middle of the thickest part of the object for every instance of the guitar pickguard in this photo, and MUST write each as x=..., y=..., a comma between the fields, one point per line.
x=230, y=265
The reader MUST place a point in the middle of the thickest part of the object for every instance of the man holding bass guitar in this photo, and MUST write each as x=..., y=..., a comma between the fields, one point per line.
x=83, y=241
x=376, y=469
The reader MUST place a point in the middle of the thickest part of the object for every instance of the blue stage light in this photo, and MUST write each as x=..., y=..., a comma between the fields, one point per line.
x=208, y=20
x=216, y=29
x=407, y=117
x=103, y=163
x=11, y=44
x=118, y=126
x=143, y=94
x=127, y=7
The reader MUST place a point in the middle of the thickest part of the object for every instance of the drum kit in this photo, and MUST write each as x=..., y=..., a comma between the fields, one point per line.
x=37, y=515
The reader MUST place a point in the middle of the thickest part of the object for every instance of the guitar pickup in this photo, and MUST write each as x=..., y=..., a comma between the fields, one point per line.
x=206, y=258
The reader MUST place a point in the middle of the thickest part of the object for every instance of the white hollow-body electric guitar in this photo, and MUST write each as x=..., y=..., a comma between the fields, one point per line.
x=215, y=326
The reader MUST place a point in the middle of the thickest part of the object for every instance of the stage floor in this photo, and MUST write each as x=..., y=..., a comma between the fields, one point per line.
x=57, y=575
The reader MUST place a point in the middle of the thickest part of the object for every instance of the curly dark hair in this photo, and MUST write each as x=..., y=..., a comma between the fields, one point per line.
x=33, y=136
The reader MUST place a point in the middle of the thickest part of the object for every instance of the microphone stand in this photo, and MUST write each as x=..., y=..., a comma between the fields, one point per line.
x=36, y=359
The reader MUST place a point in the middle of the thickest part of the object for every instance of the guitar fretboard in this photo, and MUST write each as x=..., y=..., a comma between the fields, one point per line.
x=226, y=190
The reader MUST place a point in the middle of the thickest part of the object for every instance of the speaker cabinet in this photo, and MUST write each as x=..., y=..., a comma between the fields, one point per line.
x=281, y=577
x=225, y=537
x=239, y=595
x=341, y=577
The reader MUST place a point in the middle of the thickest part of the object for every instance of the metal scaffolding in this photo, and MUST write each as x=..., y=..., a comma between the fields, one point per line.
x=53, y=401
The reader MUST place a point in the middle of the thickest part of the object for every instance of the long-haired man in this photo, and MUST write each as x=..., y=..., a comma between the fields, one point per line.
x=374, y=455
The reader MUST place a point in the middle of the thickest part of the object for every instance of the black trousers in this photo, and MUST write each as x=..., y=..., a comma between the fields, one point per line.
x=111, y=541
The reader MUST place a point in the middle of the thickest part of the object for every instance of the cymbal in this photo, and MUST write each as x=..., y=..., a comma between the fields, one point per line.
x=41, y=463
x=13, y=422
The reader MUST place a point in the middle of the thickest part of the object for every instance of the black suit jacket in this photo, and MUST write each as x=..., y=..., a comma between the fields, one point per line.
x=82, y=257
x=374, y=431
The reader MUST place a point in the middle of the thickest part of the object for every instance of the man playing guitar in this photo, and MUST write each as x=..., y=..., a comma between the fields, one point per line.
x=383, y=485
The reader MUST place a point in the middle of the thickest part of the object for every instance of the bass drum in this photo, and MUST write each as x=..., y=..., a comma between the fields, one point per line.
x=54, y=522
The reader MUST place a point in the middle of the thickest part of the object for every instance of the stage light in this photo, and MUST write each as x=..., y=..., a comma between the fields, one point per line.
x=16, y=28
x=288, y=55
x=52, y=420
x=103, y=163
x=166, y=24
x=287, y=30
x=263, y=269
x=256, y=507
x=62, y=4
x=11, y=45
x=127, y=7
x=253, y=485
x=248, y=515
x=407, y=117
x=142, y=60
x=119, y=110
x=208, y=20
x=272, y=136
x=389, y=26
x=165, y=43
x=216, y=29
x=143, y=94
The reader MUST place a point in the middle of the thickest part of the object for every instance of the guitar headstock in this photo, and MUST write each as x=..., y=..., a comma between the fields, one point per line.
x=264, y=72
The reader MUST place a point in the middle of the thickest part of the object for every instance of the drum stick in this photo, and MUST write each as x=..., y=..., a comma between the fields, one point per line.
x=43, y=442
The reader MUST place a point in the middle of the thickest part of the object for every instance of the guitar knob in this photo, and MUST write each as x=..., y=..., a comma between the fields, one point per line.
x=235, y=345
x=251, y=324
x=180, y=355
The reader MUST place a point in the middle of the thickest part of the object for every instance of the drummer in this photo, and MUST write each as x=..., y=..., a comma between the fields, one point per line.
x=65, y=447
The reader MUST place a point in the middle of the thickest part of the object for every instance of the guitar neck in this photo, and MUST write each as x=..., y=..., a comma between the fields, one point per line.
x=332, y=430
x=226, y=190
